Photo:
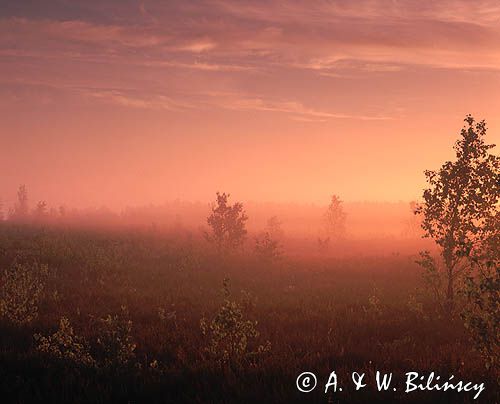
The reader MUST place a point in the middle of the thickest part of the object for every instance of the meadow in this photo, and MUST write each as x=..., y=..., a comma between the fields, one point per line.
x=153, y=316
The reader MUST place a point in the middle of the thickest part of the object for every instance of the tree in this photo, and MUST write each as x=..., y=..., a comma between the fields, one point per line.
x=274, y=228
x=227, y=223
x=21, y=208
x=335, y=219
x=459, y=205
x=268, y=248
x=482, y=290
x=268, y=245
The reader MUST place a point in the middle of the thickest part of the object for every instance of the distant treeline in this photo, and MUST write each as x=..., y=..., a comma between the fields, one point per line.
x=363, y=219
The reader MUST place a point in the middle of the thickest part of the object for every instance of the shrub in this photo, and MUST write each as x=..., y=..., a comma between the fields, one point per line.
x=64, y=344
x=115, y=342
x=267, y=248
x=482, y=313
x=229, y=333
x=21, y=291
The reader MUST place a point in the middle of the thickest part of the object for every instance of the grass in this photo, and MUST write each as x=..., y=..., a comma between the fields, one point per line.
x=320, y=313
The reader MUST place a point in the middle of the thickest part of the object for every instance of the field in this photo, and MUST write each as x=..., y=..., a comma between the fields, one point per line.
x=306, y=312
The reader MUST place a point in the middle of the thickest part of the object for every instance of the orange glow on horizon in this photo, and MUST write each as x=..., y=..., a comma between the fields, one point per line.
x=131, y=104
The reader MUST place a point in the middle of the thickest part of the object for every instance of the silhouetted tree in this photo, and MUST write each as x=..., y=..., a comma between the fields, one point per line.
x=460, y=205
x=335, y=219
x=482, y=290
x=227, y=224
x=21, y=207
x=268, y=246
x=274, y=228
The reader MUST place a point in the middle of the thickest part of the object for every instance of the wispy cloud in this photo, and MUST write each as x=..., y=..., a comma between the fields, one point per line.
x=134, y=99
x=293, y=109
x=199, y=46
x=170, y=49
x=449, y=34
x=143, y=99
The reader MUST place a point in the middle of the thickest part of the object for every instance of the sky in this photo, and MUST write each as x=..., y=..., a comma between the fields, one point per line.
x=133, y=102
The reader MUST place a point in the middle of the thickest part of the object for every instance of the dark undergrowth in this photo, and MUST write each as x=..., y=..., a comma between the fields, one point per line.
x=319, y=314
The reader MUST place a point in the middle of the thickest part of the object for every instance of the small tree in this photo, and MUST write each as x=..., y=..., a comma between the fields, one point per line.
x=227, y=223
x=335, y=219
x=274, y=228
x=268, y=246
x=461, y=200
x=230, y=334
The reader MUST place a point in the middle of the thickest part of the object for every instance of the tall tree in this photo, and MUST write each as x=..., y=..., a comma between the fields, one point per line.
x=227, y=224
x=459, y=205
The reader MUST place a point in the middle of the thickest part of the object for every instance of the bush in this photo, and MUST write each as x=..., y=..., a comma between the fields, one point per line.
x=64, y=344
x=268, y=249
x=482, y=313
x=21, y=291
x=229, y=333
x=115, y=342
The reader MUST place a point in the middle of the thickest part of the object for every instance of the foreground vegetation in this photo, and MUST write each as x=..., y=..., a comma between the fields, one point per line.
x=137, y=316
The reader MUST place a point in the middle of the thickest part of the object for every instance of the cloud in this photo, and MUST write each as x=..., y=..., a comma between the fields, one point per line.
x=272, y=56
x=199, y=46
x=143, y=99
x=294, y=109
x=50, y=34
x=451, y=34
x=134, y=99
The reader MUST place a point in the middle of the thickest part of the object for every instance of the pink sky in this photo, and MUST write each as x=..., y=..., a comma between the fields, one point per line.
x=131, y=102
